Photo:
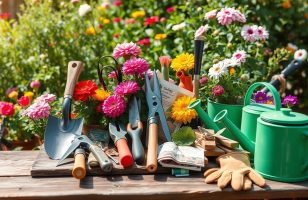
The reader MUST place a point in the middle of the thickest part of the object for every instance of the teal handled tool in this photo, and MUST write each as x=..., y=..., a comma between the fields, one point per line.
x=134, y=129
x=154, y=102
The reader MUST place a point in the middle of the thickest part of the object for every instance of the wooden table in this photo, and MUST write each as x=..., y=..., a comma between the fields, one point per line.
x=16, y=183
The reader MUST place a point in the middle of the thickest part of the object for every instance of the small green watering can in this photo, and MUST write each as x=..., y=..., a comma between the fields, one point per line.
x=281, y=147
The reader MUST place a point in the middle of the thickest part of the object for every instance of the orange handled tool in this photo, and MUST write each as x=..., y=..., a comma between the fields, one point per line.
x=79, y=169
x=152, y=148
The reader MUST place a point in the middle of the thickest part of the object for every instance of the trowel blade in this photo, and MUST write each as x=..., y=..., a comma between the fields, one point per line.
x=58, y=140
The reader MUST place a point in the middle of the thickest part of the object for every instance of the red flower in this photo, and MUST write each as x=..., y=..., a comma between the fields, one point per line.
x=24, y=101
x=151, y=20
x=118, y=3
x=99, y=107
x=218, y=90
x=5, y=16
x=100, y=26
x=6, y=109
x=117, y=19
x=84, y=89
x=170, y=9
x=144, y=42
x=116, y=35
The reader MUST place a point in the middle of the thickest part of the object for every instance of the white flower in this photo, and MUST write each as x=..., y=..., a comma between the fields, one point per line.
x=210, y=15
x=84, y=9
x=201, y=30
x=261, y=33
x=178, y=26
x=300, y=54
x=230, y=62
x=249, y=33
x=240, y=56
x=218, y=70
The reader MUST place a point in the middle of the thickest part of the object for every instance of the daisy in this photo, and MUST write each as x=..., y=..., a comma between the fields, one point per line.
x=261, y=32
x=230, y=62
x=300, y=54
x=248, y=33
x=218, y=70
x=240, y=56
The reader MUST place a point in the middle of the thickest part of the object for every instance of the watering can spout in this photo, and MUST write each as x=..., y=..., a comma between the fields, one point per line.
x=203, y=115
x=247, y=144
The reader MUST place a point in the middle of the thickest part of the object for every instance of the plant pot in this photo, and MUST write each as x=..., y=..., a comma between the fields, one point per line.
x=234, y=112
x=28, y=145
x=185, y=80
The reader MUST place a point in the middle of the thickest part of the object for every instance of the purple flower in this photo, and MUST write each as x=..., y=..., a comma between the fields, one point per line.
x=260, y=97
x=290, y=101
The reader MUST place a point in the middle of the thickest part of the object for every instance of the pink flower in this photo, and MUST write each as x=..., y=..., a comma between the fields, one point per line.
x=163, y=19
x=117, y=19
x=210, y=15
x=24, y=101
x=112, y=75
x=6, y=109
x=8, y=91
x=38, y=110
x=170, y=9
x=75, y=1
x=126, y=88
x=114, y=106
x=225, y=16
x=261, y=32
x=200, y=32
x=164, y=61
x=118, y=3
x=105, y=5
x=35, y=84
x=204, y=80
x=239, y=17
x=144, y=42
x=239, y=56
x=151, y=20
x=248, y=33
x=135, y=66
x=126, y=50
x=48, y=98
x=218, y=90
x=130, y=21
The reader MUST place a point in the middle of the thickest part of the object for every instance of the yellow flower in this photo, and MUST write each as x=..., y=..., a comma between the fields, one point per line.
x=90, y=31
x=29, y=94
x=13, y=95
x=184, y=61
x=101, y=94
x=101, y=8
x=232, y=71
x=180, y=111
x=139, y=13
x=17, y=107
x=104, y=21
x=160, y=36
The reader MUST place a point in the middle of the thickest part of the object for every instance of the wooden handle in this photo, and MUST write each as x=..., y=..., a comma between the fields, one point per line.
x=73, y=72
x=152, y=148
x=79, y=169
x=125, y=156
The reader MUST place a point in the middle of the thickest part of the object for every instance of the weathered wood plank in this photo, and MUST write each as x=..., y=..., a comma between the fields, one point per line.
x=16, y=163
x=137, y=187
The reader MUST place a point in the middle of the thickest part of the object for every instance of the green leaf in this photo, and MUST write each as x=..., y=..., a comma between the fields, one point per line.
x=185, y=136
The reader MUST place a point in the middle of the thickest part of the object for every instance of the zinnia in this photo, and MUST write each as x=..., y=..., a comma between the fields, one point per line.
x=13, y=95
x=144, y=42
x=160, y=36
x=184, y=61
x=24, y=101
x=101, y=95
x=84, y=90
x=135, y=66
x=6, y=109
x=38, y=110
x=180, y=111
x=138, y=14
x=170, y=9
x=114, y=106
x=126, y=50
x=126, y=88
x=151, y=20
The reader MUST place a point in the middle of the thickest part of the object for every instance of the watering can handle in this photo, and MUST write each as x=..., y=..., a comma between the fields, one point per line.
x=271, y=88
x=73, y=72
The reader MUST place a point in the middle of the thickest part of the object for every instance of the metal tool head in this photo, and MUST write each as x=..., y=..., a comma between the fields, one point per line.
x=117, y=131
x=133, y=115
x=76, y=142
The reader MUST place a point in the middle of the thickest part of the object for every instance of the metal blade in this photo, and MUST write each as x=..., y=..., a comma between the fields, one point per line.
x=70, y=150
x=148, y=90
x=133, y=115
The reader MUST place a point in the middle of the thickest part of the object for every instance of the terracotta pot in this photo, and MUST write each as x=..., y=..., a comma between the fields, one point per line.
x=185, y=80
x=28, y=145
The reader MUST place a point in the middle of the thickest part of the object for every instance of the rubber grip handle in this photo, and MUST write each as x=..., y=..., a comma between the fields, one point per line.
x=79, y=169
x=137, y=147
x=73, y=73
x=152, y=148
x=103, y=160
x=125, y=156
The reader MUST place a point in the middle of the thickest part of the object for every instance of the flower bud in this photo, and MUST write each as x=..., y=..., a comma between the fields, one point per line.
x=35, y=84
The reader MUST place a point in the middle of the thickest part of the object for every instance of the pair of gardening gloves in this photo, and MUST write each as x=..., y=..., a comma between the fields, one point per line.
x=235, y=168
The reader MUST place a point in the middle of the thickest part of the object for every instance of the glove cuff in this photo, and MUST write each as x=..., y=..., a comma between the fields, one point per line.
x=235, y=156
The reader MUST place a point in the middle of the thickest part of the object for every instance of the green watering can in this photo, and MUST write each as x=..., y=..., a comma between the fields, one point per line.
x=281, y=146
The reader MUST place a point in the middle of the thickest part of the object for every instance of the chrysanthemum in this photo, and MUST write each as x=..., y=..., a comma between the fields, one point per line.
x=48, y=98
x=38, y=110
x=127, y=87
x=101, y=95
x=248, y=33
x=114, y=106
x=200, y=32
x=260, y=97
x=180, y=111
x=210, y=15
x=184, y=61
x=238, y=16
x=225, y=16
x=261, y=32
x=300, y=54
x=240, y=56
x=135, y=66
x=218, y=70
x=218, y=90
x=126, y=50
x=230, y=62
x=112, y=75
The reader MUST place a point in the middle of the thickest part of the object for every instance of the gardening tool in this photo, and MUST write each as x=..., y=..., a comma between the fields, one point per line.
x=155, y=107
x=117, y=133
x=60, y=132
x=79, y=169
x=134, y=129
x=280, y=150
x=198, y=53
x=82, y=141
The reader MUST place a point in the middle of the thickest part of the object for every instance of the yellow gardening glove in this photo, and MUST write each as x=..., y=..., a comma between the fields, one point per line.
x=234, y=167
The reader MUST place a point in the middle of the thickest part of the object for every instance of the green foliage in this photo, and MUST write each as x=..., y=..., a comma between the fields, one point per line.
x=185, y=136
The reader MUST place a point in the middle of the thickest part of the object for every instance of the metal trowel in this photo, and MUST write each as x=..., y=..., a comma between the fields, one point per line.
x=60, y=133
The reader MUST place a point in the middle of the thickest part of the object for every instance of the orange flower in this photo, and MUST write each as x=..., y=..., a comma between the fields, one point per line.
x=232, y=71
x=286, y=4
x=90, y=31
x=101, y=95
